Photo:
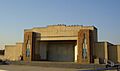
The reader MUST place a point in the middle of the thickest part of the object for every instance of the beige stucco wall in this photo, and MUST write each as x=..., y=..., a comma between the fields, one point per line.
x=62, y=30
x=108, y=51
x=101, y=50
x=10, y=52
x=13, y=52
x=112, y=53
x=19, y=47
x=118, y=53
x=59, y=32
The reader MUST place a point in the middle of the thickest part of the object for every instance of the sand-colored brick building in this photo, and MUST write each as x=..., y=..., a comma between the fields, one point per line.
x=13, y=52
x=60, y=43
x=74, y=43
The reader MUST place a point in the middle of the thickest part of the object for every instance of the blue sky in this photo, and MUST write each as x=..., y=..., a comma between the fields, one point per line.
x=17, y=15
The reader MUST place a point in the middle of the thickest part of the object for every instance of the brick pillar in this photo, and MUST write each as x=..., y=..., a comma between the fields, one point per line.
x=83, y=42
x=29, y=43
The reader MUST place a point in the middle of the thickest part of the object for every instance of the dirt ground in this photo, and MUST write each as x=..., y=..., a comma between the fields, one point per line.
x=32, y=68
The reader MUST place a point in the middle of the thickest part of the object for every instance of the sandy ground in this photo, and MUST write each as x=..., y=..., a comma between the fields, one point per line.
x=36, y=68
x=32, y=68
